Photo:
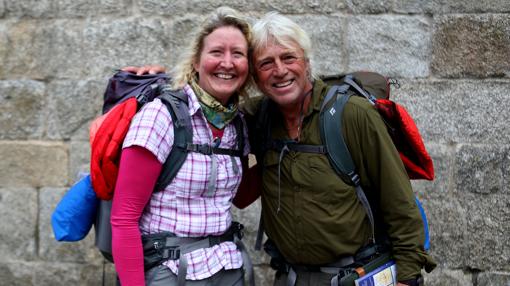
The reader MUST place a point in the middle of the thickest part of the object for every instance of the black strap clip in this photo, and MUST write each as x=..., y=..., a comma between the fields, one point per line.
x=205, y=149
x=170, y=253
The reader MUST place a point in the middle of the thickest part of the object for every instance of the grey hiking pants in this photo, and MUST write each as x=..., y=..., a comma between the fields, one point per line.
x=162, y=276
x=305, y=279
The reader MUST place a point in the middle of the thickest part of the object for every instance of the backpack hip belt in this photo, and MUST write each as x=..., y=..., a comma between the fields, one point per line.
x=164, y=246
x=346, y=268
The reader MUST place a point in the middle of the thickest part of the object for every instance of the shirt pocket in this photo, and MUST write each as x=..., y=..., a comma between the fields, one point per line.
x=270, y=173
x=328, y=187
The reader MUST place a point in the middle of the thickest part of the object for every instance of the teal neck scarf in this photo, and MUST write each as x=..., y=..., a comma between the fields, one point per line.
x=215, y=113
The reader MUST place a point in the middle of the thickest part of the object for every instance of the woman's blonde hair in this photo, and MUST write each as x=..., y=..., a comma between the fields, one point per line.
x=184, y=71
x=276, y=28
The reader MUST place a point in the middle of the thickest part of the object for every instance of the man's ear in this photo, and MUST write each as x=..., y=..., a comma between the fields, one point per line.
x=308, y=69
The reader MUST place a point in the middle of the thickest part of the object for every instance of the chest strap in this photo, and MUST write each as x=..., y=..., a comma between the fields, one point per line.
x=207, y=149
x=291, y=145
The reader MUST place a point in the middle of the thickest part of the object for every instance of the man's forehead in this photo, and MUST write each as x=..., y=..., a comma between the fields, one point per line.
x=274, y=49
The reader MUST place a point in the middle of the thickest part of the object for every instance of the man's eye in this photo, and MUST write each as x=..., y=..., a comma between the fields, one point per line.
x=265, y=65
x=289, y=59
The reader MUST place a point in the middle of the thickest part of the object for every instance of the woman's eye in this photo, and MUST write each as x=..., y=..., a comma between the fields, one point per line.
x=239, y=54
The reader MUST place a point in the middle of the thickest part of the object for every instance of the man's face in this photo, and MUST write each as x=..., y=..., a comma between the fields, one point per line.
x=282, y=73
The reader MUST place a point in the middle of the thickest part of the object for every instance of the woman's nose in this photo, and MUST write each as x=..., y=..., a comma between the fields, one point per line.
x=226, y=61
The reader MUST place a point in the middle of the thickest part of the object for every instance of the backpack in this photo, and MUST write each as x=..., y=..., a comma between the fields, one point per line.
x=403, y=132
x=125, y=94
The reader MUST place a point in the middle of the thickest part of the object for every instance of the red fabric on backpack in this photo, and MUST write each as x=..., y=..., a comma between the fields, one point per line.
x=106, y=147
x=407, y=139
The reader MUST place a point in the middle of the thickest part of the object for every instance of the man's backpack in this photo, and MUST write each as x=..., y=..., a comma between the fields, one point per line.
x=404, y=133
x=125, y=94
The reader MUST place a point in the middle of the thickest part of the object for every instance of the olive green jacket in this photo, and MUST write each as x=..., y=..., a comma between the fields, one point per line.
x=313, y=216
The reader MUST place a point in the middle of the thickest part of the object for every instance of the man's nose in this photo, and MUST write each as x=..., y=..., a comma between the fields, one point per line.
x=280, y=69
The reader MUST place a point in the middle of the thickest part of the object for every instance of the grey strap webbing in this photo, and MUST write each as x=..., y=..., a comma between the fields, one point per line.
x=350, y=81
x=291, y=277
x=247, y=264
x=260, y=234
x=334, y=280
x=331, y=118
x=213, y=174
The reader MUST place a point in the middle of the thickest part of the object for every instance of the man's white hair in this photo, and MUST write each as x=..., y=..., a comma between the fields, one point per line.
x=275, y=28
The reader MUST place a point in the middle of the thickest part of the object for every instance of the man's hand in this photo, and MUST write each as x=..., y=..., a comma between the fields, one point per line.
x=147, y=69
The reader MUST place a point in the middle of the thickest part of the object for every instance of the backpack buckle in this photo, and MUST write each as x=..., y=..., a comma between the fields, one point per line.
x=355, y=179
x=142, y=97
x=205, y=149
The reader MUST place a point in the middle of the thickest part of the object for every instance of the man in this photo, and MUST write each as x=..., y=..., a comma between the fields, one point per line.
x=313, y=219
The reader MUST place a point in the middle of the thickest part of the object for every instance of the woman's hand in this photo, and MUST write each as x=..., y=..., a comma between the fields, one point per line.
x=147, y=69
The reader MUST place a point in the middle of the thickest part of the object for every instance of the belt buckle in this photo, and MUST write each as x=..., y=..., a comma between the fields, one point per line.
x=239, y=232
x=237, y=229
x=171, y=253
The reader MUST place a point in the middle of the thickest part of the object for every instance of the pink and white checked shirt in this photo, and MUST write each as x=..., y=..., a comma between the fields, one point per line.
x=184, y=207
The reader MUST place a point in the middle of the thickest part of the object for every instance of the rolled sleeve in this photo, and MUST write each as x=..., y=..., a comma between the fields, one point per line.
x=152, y=129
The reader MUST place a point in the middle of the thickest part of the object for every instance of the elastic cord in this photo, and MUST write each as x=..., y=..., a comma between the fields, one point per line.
x=285, y=149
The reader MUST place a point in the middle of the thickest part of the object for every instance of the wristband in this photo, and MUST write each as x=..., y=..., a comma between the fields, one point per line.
x=418, y=281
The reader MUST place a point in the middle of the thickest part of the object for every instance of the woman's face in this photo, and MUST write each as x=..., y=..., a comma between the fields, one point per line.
x=223, y=64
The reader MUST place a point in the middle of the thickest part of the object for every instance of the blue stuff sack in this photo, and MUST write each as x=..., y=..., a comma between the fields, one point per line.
x=75, y=213
x=425, y=224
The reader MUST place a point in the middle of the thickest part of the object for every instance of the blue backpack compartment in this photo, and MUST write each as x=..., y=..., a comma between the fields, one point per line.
x=74, y=215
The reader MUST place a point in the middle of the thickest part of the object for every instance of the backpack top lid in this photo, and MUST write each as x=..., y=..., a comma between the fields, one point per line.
x=375, y=83
x=123, y=85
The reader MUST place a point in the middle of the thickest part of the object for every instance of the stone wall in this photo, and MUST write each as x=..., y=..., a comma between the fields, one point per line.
x=451, y=57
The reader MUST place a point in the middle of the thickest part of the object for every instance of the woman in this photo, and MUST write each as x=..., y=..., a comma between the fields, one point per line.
x=196, y=204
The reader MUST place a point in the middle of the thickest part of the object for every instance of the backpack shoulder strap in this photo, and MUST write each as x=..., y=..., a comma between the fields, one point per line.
x=331, y=117
x=332, y=136
x=177, y=103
